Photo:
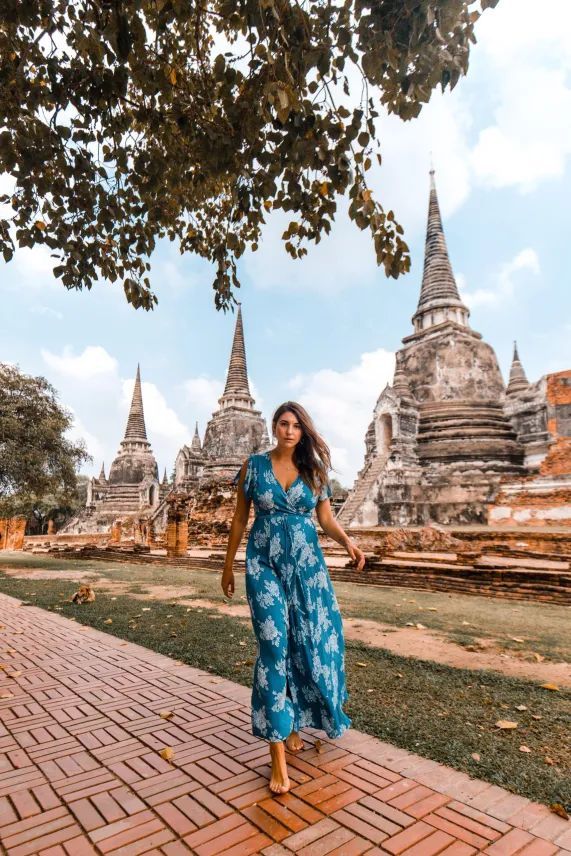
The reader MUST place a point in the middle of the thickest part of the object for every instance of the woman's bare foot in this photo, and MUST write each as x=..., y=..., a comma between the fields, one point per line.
x=294, y=743
x=279, y=782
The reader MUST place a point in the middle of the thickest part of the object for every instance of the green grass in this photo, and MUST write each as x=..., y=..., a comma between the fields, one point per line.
x=543, y=626
x=436, y=711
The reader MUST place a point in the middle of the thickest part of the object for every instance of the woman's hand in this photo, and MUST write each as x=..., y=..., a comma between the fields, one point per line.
x=357, y=555
x=227, y=582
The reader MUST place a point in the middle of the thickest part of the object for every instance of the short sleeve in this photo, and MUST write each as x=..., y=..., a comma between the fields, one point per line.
x=326, y=491
x=248, y=479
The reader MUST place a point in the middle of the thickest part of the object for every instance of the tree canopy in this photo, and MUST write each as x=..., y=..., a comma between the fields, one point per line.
x=38, y=464
x=124, y=121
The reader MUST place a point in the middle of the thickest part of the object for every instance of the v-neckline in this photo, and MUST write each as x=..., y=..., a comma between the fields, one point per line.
x=286, y=491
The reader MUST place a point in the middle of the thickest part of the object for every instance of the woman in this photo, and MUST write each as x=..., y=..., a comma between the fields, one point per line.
x=299, y=675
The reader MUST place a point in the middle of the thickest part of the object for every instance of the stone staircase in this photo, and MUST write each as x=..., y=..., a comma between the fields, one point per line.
x=363, y=485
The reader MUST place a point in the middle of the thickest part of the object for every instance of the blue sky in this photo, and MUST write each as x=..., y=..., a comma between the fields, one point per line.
x=325, y=330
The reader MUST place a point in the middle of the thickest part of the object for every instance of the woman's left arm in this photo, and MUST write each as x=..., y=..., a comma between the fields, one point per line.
x=333, y=530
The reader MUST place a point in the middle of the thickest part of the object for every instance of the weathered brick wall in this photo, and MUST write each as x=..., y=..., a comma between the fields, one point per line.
x=12, y=531
x=543, y=500
x=558, y=460
x=99, y=538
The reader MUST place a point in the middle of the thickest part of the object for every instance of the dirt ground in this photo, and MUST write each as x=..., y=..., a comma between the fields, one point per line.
x=422, y=643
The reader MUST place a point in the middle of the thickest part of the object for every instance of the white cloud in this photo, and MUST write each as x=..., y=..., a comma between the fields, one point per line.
x=528, y=59
x=93, y=361
x=34, y=267
x=508, y=279
x=341, y=404
x=47, y=311
x=202, y=394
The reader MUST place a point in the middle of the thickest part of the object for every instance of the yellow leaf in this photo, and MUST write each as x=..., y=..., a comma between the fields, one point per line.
x=324, y=188
x=559, y=809
x=172, y=76
x=550, y=687
x=166, y=714
x=366, y=197
x=167, y=754
x=268, y=204
x=39, y=224
x=108, y=621
x=506, y=724
x=361, y=664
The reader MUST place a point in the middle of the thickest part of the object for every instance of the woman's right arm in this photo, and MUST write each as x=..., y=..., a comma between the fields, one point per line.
x=239, y=523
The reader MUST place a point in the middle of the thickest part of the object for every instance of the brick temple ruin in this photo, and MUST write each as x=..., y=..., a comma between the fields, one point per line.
x=448, y=443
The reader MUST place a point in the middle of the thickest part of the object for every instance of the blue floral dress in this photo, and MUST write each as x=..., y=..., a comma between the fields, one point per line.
x=299, y=674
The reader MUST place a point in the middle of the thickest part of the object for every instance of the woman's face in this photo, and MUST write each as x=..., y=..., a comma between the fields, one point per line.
x=288, y=430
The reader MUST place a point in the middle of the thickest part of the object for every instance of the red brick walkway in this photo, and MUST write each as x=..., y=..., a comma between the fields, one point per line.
x=81, y=773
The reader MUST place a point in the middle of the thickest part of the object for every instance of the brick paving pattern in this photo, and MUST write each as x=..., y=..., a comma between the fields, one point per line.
x=81, y=771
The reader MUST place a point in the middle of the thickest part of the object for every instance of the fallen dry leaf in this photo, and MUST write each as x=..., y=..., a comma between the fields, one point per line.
x=536, y=716
x=549, y=760
x=524, y=749
x=475, y=756
x=420, y=626
x=550, y=687
x=13, y=674
x=521, y=707
x=506, y=723
x=108, y=621
x=167, y=754
x=362, y=664
x=318, y=746
x=166, y=714
x=539, y=657
x=557, y=808
x=517, y=639
x=6, y=694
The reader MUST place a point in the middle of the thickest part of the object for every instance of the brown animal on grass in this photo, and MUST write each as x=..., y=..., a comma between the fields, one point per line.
x=84, y=594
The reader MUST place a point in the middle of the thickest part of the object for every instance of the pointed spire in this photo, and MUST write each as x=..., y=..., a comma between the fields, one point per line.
x=237, y=389
x=165, y=477
x=237, y=378
x=438, y=290
x=102, y=476
x=136, y=429
x=518, y=380
x=196, y=444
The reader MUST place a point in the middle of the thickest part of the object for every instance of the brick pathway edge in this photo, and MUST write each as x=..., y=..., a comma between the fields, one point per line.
x=85, y=716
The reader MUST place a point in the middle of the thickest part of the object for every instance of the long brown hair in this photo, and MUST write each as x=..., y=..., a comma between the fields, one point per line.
x=311, y=455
